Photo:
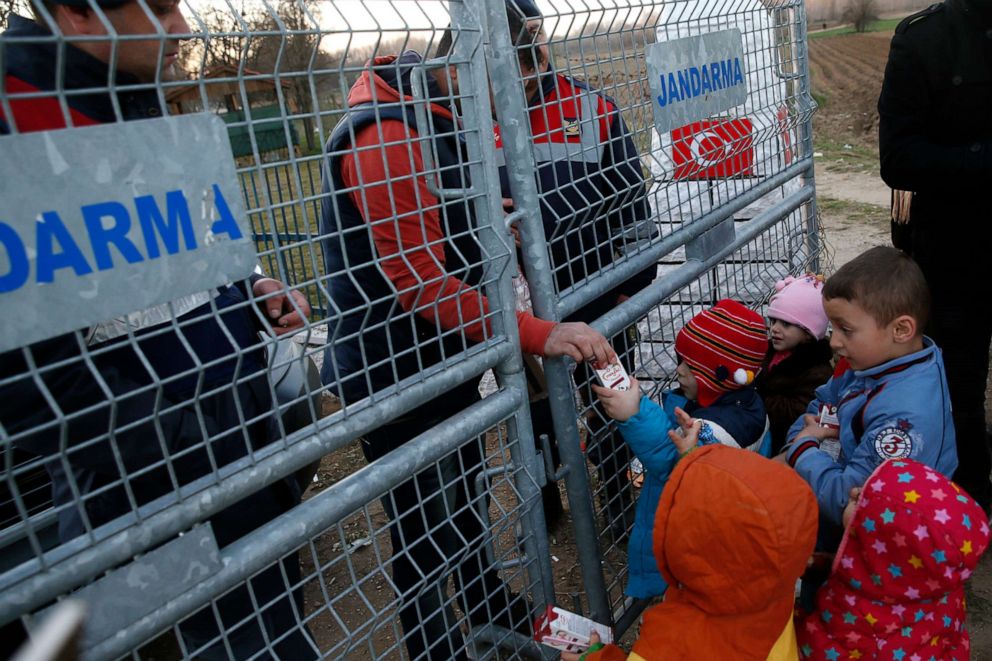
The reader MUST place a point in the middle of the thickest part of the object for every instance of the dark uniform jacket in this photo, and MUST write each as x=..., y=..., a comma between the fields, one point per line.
x=935, y=132
x=376, y=343
x=593, y=197
x=164, y=405
x=404, y=267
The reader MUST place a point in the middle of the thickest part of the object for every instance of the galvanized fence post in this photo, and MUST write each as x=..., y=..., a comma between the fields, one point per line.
x=514, y=123
x=496, y=239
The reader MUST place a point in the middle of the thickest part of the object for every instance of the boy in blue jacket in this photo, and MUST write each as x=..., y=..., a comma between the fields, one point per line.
x=720, y=351
x=889, y=390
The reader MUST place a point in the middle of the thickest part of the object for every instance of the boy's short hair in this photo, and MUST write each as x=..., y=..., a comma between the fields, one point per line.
x=886, y=283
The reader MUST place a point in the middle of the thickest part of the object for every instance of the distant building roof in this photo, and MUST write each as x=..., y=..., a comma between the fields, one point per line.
x=223, y=80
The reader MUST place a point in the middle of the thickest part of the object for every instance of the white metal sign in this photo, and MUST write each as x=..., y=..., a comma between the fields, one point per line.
x=101, y=221
x=696, y=77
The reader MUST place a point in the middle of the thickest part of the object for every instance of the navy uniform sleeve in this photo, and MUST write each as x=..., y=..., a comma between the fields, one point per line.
x=71, y=406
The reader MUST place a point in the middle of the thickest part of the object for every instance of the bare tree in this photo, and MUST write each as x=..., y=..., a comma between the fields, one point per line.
x=291, y=52
x=280, y=40
x=225, y=38
x=861, y=14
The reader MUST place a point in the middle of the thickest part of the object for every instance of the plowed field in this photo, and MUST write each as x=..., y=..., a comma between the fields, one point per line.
x=847, y=75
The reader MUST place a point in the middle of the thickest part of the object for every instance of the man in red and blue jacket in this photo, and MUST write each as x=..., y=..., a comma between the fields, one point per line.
x=121, y=422
x=404, y=271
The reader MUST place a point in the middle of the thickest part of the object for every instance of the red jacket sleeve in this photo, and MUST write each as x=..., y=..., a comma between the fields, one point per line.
x=391, y=194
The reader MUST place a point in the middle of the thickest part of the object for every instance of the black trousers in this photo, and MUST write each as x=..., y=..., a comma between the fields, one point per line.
x=961, y=325
x=277, y=624
x=436, y=532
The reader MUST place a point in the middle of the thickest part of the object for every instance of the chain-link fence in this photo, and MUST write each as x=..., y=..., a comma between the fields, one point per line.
x=240, y=400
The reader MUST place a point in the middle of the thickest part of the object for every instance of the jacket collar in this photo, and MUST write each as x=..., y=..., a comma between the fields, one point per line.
x=901, y=363
x=36, y=62
x=549, y=83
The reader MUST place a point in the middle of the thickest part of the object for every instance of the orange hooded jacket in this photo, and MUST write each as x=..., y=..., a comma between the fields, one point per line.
x=732, y=535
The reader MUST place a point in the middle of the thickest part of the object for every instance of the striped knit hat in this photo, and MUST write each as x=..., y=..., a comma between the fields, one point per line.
x=723, y=347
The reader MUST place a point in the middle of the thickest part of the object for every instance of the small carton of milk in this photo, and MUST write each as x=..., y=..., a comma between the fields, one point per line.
x=567, y=631
x=614, y=376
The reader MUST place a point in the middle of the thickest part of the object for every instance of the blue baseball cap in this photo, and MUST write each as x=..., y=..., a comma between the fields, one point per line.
x=526, y=8
x=109, y=4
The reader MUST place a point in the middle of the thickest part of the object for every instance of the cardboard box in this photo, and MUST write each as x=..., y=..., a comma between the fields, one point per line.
x=567, y=631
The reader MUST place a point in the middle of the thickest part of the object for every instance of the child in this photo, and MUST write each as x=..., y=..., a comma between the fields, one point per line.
x=733, y=533
x=799, y=359
x=720, y=350
x=911, y=539
x=889, y=387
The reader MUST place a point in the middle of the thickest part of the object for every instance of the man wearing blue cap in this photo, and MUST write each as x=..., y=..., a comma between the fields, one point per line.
x=189, y=393
x=405, y=270
x=594, y=208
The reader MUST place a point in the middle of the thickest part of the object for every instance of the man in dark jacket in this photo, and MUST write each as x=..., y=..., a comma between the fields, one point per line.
x=594, y=209
x=405, y=272
x=122, y=422
x=935, y=138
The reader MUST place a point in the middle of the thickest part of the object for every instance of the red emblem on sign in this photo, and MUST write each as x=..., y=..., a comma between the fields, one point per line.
x=713, y=149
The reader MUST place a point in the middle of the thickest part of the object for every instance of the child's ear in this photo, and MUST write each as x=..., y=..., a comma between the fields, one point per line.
x=903, y=329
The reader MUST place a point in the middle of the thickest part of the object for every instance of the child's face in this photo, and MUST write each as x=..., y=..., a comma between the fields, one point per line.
x=858, y=337
x=687, y=381
x=786, y=336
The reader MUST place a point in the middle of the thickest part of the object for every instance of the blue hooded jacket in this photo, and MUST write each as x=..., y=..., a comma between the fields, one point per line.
x=736, y=419
x=895, y=410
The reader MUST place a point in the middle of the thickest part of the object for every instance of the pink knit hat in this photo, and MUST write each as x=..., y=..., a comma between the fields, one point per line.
x=799, y=301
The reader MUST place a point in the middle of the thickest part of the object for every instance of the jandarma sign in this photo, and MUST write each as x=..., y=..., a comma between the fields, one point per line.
x=694, y=81
x=164, y=227
x=102, y=221
x=696, y=77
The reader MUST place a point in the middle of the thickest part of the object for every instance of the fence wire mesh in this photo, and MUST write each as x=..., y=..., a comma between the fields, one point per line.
x=297, y=462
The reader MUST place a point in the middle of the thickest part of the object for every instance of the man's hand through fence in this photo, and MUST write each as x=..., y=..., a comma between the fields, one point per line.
x=580, y=342
x=286, y=309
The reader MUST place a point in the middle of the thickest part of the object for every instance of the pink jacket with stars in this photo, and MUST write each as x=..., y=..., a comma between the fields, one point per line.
x=896, y=589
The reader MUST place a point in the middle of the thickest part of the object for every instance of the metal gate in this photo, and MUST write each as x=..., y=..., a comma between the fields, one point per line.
x=162, y=467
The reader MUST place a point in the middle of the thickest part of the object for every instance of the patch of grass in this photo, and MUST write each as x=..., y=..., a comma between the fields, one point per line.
x=840, y=156
x=859, y=212
x=281, y=201
x=877, y=26
x=820, y=98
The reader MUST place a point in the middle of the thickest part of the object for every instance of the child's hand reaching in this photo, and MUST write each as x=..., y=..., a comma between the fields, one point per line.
x=687, y=436
x=621, y=405
x=575, y=656
x=813, y=428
